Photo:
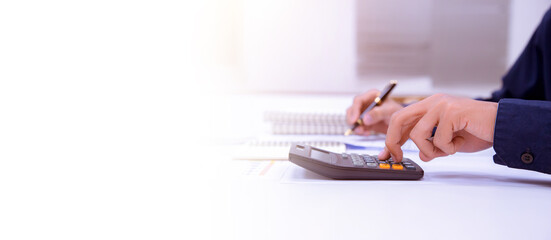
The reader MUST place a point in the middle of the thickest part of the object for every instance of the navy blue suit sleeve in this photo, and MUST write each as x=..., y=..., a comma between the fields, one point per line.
x=523, y=126
x=523, y=121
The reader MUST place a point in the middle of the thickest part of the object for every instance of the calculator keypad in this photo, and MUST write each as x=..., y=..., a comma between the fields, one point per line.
x=369, y=161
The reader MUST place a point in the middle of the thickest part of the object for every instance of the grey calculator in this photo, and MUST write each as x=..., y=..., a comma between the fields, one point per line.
x=353, y=166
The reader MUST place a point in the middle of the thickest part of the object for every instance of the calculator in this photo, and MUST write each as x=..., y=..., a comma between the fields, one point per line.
x=352, y=165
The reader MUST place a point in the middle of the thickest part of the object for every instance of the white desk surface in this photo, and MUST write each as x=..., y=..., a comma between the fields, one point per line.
x=460, y=197
x=143, y=168
x=464, y=196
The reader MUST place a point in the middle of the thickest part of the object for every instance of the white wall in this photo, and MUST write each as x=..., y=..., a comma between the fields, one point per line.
x=525, y=16
x=305, y=45
x=310, y=45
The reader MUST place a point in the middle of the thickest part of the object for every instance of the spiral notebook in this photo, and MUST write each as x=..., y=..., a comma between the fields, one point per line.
x=321, y=130
x=306, y=123
x=295, y=127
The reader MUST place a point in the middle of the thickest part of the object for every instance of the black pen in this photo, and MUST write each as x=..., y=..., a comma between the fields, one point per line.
x=377, y=102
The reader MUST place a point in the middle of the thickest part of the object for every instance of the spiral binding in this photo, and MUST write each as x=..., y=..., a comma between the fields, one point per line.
x=306, y=123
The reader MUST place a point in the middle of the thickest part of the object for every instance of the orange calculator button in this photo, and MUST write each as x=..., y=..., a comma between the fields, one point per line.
x=397, y=167
x=384, y=165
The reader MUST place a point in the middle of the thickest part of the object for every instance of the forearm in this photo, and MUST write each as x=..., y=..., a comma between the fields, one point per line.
x=522, y=136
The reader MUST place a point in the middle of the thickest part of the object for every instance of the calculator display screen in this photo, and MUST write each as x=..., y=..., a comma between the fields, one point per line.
x=323, y=156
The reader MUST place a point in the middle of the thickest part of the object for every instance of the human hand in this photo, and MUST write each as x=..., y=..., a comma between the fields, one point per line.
x=377, y=119
x=463, y=125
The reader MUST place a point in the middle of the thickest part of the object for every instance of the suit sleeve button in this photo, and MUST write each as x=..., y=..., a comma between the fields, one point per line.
x=527, y=158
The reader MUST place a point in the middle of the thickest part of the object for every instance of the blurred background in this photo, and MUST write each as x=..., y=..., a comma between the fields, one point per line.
x=107, y=107
x=328, y=46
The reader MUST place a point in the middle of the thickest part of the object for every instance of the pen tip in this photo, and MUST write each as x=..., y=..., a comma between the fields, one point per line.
x=348, y=132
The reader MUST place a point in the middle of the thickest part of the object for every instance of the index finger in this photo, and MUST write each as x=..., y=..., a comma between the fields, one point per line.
x=399, y=128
